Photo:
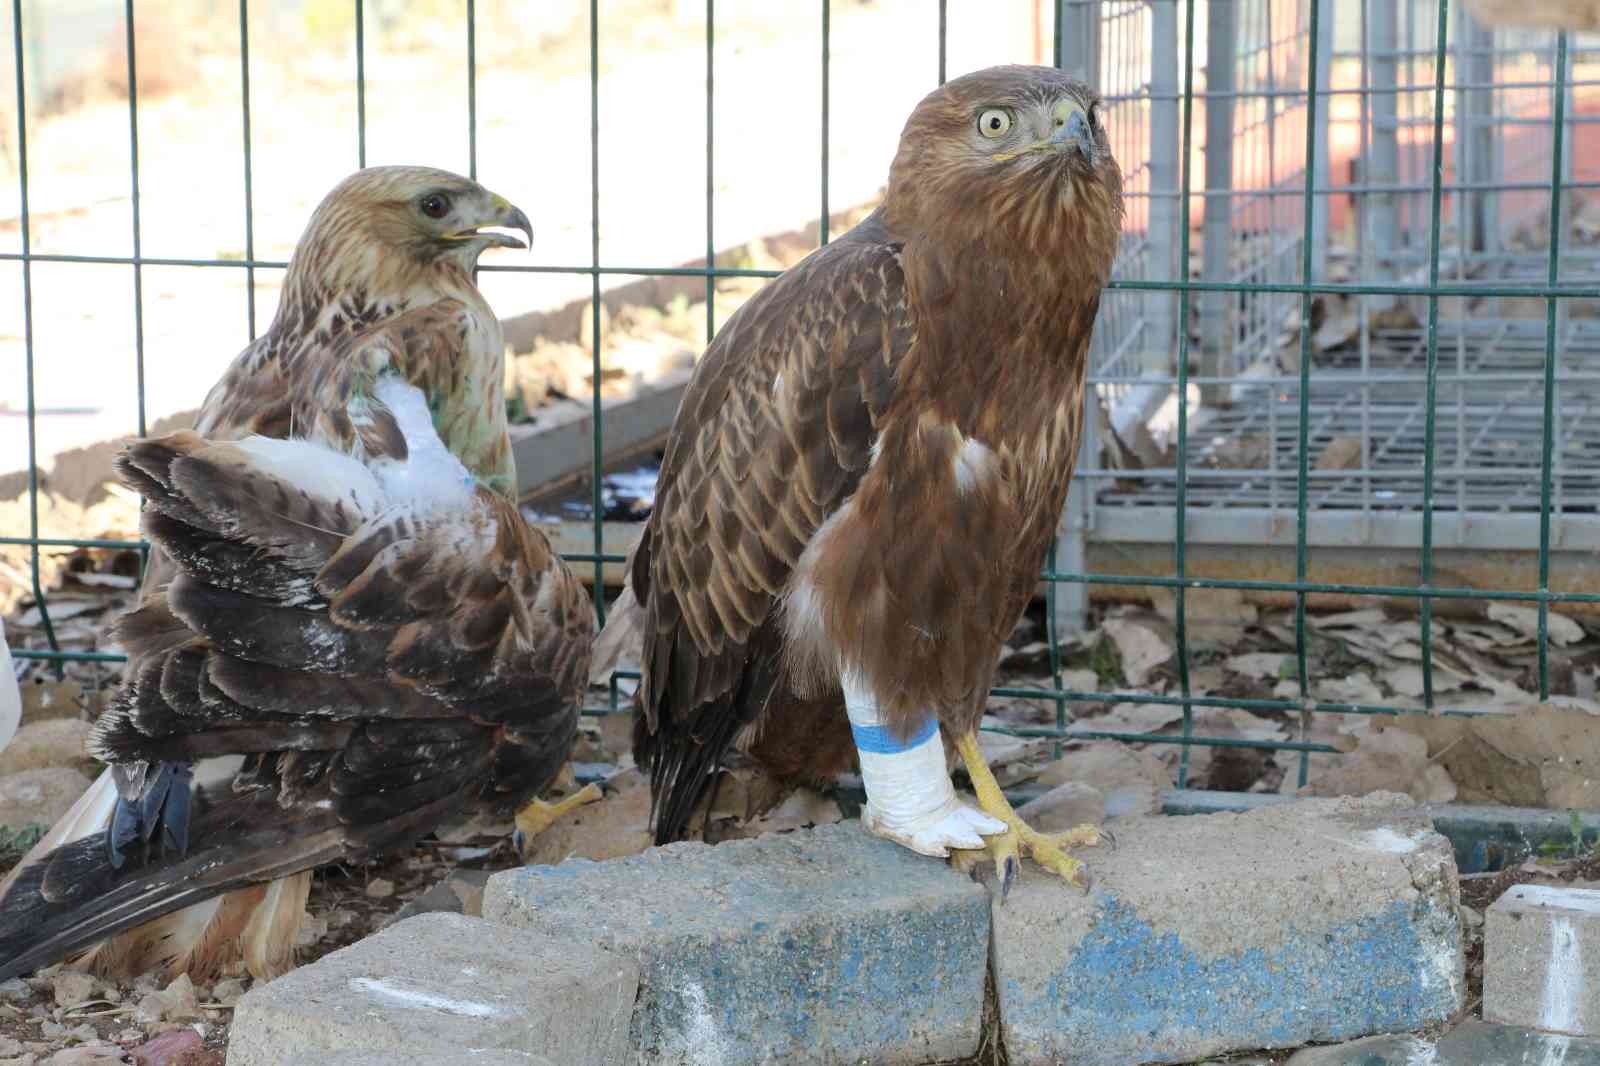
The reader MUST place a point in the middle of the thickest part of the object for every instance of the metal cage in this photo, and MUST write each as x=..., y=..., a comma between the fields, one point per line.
x=1243, y=227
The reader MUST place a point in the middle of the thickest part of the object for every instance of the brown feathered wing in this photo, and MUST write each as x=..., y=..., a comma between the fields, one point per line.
x=373, y=667
x=774, y=432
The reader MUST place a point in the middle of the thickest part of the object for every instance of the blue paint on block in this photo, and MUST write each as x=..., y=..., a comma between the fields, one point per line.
x=1128, y=992
x=822, y=947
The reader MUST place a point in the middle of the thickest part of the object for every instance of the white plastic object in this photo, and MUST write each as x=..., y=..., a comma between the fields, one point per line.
x=10, y=694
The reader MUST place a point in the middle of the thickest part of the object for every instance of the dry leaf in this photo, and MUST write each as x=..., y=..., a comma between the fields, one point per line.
x=1261, y=665
x=1525, y=620
x=1341, y=453
x=1140, y=647
x=1211, y=616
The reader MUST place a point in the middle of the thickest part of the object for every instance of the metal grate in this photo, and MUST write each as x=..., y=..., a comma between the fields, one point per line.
x=1222, y=113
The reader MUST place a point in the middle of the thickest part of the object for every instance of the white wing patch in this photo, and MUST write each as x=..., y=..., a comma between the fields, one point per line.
x=430, y=477
x=317, y=469
x=973, y=462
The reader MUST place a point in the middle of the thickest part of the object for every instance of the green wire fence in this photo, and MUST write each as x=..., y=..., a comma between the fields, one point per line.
x=1124, y=46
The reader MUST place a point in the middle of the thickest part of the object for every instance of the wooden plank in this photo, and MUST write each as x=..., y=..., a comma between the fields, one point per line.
x=576, y=537
x=556, y=445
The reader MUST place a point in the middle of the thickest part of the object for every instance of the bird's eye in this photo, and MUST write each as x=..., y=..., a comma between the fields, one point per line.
x=434, y=205
x=994, y=122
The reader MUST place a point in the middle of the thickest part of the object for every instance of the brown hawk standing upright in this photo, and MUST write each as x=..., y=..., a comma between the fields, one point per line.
x=867, y=470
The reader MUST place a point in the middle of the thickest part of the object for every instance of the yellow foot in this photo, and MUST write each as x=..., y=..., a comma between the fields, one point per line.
x=538, y=815
x=1049, y=850
x=1005, y=849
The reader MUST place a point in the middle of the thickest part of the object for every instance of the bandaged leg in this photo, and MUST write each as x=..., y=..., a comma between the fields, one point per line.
x=909, y=796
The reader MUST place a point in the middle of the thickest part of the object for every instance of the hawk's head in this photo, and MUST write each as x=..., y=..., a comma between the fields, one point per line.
x=1012, y=148
x=383, y=226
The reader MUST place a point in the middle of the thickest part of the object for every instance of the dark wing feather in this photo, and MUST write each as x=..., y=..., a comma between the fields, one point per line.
x=774, y=433
x=380, y=672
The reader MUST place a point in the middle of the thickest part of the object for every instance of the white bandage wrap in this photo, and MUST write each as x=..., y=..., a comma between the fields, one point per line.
x=909, y=796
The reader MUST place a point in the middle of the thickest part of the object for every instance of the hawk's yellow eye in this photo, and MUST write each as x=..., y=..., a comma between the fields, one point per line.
x=994, y=122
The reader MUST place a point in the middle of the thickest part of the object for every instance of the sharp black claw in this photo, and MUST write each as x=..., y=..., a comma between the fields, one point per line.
x=518, y=844
x=1108, y=838
x=1008, y=876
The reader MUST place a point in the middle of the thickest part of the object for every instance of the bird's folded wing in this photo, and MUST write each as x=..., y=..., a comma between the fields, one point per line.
x=774, y=432
x=370, y=667
x=311, y=616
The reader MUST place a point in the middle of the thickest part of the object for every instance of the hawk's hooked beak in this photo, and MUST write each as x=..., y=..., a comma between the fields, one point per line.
x=503, y=214
x=1073, y=135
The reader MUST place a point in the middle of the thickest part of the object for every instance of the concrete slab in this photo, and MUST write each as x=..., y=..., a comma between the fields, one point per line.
x=1401, y=1049
x=818, y=946
x=1320, y=920
x=1472, y=1043
x=1541, y=959
x=443, y=988
x=463, y=1057
x=1477, y=1043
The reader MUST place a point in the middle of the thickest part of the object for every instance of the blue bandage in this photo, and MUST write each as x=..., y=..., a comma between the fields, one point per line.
x=880, y=740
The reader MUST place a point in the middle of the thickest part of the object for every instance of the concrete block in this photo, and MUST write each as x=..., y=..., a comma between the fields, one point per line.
x=1541, y=959
x=1318, y=920
x=1392, y=1049
x=1471, y=1043
x=443, y=988
x=465, y=1057
x=820, y=946
x=1474, y=1043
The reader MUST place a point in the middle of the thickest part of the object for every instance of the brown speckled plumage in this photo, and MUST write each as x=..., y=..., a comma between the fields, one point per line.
x=377, y=669
x=810, y=513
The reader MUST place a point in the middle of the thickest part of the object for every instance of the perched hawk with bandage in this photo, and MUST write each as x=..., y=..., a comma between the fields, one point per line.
x=347, y=633
x=867, y=470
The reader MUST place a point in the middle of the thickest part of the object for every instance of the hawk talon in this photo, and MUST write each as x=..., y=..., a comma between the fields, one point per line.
x=1047, y=849
x=537, y=815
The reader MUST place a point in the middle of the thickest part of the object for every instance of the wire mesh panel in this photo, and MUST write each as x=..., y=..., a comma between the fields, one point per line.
x=1353, y=305
x=1400, y=96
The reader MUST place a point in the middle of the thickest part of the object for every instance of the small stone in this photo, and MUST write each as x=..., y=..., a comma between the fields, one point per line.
x=99, y=1053
x=312, y=929
x=72, y=988
x=15, y=990
x=10, y=1046
x=1064, y=807
x=85, y=1032
x=179, y=1001
x=150, y=1009
x=39, y=797
x=52, y=742
x=1539, y=959
x=52, y=1030
x=460, y=893
x=228, y=990
x=168, y=1049
x=380, y=888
